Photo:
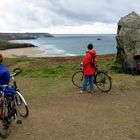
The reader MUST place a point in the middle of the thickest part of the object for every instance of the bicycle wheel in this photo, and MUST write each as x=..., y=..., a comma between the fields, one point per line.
x=5, y=129
x=5, y=122
x=77, y=79
x=21, y=105
x=103, y=81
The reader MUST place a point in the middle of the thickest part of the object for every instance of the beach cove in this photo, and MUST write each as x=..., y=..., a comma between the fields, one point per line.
x=67, y=45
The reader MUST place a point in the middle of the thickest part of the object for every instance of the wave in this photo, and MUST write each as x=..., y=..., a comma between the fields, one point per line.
x=74, y=45
x=51, y=50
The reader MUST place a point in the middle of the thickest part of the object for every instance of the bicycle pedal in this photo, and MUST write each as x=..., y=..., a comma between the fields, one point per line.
x=19, y=122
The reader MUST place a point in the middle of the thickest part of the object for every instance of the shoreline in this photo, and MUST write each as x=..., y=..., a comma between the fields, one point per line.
x=34, y=52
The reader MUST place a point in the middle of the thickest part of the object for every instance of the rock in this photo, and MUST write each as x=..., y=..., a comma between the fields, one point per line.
x=128, y=42
x=99, y=39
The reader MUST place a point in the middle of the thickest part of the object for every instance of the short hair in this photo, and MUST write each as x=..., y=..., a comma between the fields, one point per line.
x=90, y=46
x=1, y=58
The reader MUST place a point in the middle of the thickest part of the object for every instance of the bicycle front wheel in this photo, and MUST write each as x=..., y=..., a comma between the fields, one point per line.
x=21, y=105
x=77, y=79
x=103, y=81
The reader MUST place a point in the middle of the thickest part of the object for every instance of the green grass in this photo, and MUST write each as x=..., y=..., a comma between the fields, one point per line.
x=43, y=77
x=40, y=68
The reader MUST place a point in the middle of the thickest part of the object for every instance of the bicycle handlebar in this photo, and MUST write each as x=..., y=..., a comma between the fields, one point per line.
x=16, y=72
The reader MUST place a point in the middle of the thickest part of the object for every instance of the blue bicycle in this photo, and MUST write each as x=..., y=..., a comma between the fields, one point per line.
x=12, y=104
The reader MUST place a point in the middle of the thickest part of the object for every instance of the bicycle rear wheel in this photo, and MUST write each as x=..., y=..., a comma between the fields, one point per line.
x=21, y=105
x=103, y=81
x=77, y=79
x=5, y=127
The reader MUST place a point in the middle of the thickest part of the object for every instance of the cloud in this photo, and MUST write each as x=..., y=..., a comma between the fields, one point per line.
x=96, y=28
x=108, y=11
x=64, y=16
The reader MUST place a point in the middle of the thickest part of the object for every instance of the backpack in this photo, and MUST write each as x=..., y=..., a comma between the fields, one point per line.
x=92, y=62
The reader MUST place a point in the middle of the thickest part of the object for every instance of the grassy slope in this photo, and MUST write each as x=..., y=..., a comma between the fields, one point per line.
x=58, y=113
x=52, y=76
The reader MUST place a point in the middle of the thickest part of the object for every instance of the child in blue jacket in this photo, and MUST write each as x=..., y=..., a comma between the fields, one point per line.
x=5, y=78
x=4, y=73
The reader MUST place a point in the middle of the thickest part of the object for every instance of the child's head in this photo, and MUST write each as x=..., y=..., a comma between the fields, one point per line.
x=90, y=46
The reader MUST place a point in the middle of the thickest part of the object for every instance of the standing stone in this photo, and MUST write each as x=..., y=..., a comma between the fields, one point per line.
x=128, y=42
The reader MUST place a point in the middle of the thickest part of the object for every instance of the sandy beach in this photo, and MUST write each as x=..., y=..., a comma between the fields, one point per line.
x=23, y=52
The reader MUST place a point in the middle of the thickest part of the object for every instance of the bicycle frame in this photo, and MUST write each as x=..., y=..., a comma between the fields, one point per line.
x=8, y=99
x=94, y=75
x=3, y=107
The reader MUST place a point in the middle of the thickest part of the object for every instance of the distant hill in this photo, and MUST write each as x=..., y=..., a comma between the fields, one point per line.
x=15, y=36
x=4, y=44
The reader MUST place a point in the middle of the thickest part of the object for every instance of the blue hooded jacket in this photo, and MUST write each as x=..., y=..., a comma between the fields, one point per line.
x=4, y=75
x=4, y=80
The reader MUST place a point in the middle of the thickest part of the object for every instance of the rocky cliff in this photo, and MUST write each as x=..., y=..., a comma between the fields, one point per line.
x=128, y=42
x=4, y=37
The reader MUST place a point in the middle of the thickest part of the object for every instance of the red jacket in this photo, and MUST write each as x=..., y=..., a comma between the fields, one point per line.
x=88, y=70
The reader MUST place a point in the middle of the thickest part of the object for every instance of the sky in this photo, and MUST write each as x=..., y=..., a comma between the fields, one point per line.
x=64, y=16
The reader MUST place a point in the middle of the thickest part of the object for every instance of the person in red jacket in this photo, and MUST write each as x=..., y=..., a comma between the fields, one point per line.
x=89, y=70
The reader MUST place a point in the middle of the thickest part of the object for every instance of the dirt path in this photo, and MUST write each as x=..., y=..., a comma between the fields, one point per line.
x=113, y=116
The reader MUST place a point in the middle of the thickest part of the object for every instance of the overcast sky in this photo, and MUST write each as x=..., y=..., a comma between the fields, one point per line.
x=64, y=16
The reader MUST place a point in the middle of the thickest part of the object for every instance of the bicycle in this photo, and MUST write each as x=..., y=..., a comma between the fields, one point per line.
x=101, y=79
x=10, y=101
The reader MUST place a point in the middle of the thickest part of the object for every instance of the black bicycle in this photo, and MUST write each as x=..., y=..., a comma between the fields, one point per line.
x=12, y=104
x=101, y=79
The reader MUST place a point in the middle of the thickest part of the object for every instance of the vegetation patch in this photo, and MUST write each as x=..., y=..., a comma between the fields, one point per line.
x=52, y=76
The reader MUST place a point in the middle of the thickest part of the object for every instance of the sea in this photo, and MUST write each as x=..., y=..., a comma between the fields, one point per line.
x=74, y=45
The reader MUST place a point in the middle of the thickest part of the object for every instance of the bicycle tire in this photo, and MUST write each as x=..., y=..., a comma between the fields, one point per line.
x=21, y=105
x=5, y=123
x=103, y=81
x=5, y=131
x=77, y=79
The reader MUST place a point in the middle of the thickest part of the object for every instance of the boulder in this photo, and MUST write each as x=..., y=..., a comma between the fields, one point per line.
x=128, y=43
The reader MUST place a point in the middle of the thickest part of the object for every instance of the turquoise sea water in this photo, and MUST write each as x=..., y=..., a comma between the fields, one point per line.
x=73, y=45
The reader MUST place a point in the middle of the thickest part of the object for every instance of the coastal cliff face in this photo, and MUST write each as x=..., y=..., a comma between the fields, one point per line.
x=15, y=36
x=7, y=45
x=4, y=37
x=128, y=42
